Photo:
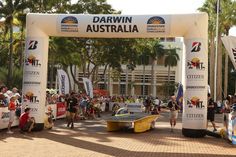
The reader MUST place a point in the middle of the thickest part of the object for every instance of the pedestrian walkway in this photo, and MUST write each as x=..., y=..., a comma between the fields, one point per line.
x=90, y=139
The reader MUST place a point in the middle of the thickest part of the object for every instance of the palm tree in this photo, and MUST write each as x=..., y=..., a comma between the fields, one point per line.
x=171, y=60
x=8, y=10
x=227, y=19
x=158, y=52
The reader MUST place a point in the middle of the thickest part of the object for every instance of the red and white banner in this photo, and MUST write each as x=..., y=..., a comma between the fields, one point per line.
x=61, y=110
x=230, y=45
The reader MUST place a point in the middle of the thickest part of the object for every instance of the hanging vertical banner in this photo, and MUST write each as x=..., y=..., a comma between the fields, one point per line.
x=179, y=96
x=63, y=82
x=230, y=45
x=88, y=87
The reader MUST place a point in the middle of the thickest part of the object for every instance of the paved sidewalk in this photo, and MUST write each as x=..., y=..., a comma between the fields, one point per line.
x=90, y=139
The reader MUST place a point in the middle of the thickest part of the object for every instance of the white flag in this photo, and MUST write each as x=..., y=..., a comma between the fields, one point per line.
x=63, y=81
x=230, y=45
x=88, y=87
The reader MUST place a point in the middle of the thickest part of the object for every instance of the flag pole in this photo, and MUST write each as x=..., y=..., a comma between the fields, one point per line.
x=216, y=46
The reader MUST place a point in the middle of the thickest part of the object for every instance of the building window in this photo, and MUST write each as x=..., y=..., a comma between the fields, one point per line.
x=122, y=89
x=101, y=86
x=144, y=90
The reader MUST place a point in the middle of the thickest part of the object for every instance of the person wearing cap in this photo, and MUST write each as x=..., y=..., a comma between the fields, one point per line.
x=26, y=122
x=12, y=109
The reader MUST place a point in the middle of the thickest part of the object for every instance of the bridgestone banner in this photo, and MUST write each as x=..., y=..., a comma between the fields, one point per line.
x=63, y=81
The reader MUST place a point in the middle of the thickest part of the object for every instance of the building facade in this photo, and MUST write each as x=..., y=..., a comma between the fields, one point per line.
x=139, y=82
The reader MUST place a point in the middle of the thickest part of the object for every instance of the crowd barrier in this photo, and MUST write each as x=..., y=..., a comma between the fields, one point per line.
x=58, y=111
x=232, y=130
x=4, y=114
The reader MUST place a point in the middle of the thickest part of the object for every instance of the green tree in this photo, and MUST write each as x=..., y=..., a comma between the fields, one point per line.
x=171, y=60
x=8, y=10
x=227, y=19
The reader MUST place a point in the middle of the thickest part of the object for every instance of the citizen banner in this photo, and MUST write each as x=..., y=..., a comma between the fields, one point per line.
x=63, y=82
x=230, y=45
x=88, y=87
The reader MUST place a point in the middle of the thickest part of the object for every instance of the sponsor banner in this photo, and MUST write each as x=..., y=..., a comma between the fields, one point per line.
x=196, y=64
x=61, y=110
x=32, y=99
x=4, y=118
x=32, y=73
x=195, y=110
x=195, y=99
x=88, y=87
x=125, y=24
x=230, y=45
x=158, y=24
x=63, y=81
x=31, y=83
x=232, y=129
x=195, y=88
x=68, y=24
x=31, y=95
x=33, y=55
x=195, y=77
x=196, y=58
x=34, y=76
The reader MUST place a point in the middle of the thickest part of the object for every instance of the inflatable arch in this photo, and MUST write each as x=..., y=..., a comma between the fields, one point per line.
x=193, y=27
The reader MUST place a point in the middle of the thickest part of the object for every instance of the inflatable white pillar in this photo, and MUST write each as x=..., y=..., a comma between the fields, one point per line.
x=193, y=27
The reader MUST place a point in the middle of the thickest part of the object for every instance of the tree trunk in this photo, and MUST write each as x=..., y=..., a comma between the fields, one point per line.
x=219, y=71
x=10, y=65
x=152, y=77
x=168, y=82
x=212, y=63
x=73, y=76
x=105, y=77
x=143, y=92
x=226, y=75
x=51, y=74
x=126, y=81
x=22, y=47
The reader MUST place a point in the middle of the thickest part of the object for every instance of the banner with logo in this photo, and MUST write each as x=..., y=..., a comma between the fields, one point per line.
x=63, y=81
x=4, y=118
x=88, y=87
x=195, y=96
x=88, y=25
x=230, y=45
x=34, y=82
x=61, y=110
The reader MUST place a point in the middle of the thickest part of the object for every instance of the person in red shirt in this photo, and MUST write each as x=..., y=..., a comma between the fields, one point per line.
x=12, y=109
x=26, y=122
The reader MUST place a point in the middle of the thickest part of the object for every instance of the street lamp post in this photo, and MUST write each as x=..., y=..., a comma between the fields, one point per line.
x=216, y=46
